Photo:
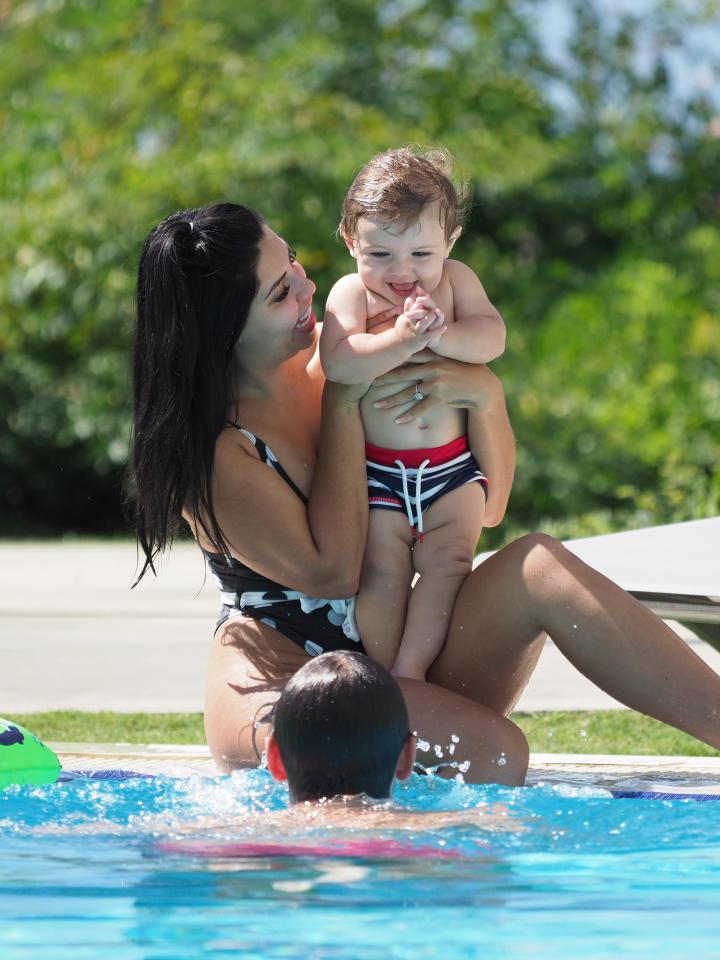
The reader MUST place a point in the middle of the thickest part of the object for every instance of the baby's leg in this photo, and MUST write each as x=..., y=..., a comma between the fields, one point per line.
x=385, y=584
x=452, y=527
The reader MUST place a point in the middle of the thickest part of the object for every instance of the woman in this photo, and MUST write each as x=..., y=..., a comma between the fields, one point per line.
x=237, y=431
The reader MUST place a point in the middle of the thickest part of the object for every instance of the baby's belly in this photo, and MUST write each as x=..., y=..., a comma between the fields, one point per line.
x=433, y=428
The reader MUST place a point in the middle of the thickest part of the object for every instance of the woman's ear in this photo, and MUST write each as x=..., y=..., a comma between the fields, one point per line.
x=406, y=760
x=274, y=760
x=452, y=238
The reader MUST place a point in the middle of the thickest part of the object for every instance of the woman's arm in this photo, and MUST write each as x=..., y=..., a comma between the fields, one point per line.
x=475, y=388
x=316, y=548
x=493, y=445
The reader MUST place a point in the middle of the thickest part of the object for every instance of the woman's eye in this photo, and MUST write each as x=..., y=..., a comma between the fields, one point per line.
x=283, y=293
x=292, y=255
x=379, y=255
x=421, y=253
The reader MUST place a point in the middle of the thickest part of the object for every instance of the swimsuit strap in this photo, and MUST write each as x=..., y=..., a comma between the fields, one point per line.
x=268, y=457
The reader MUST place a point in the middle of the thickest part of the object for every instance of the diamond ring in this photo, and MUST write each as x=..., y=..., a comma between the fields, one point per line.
x=418, y=395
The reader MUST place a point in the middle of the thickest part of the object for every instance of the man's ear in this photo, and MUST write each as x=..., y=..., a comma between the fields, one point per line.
x=451, y=241
x=406, y=760
x=350, y=243
x=274, y=760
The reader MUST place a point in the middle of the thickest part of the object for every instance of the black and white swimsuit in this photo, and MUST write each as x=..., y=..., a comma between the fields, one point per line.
x=317, y=625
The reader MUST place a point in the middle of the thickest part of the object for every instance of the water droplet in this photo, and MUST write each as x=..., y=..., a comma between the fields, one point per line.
x=423, y=745
x=501, y=760
x=454, y=738
x=438, y=750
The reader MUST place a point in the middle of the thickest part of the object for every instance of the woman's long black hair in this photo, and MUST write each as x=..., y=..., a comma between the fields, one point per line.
x=196, y=281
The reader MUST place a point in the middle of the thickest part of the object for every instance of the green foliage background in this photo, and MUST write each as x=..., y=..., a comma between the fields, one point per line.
x=594, y=223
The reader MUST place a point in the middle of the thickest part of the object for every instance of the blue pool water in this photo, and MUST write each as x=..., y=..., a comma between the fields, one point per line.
x=81, y=876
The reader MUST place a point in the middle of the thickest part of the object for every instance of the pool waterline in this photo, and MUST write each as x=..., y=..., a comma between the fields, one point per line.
x=601, y=770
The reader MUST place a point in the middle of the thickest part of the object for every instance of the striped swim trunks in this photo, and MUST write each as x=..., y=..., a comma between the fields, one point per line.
x=412, y=480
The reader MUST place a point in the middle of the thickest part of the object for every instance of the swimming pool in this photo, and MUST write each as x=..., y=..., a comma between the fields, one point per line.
x=590, y=876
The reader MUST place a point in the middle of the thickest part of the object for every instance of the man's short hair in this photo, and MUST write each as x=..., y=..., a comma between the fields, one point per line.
x=397, y=185
x=340, y=725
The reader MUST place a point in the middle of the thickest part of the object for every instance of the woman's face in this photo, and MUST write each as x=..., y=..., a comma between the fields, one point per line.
x=281, y=321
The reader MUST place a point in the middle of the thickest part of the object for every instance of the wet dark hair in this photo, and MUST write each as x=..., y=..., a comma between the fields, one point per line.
x=396, y=186
x=196, y=281
x=340, y=724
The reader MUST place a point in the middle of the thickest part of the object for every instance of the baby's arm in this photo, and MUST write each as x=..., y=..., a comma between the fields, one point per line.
x=478, y=333
x=350, y=354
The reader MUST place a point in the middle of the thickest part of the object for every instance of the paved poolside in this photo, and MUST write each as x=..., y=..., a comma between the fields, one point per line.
x=73, y=635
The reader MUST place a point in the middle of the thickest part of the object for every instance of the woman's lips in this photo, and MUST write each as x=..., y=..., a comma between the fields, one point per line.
x=306, y=322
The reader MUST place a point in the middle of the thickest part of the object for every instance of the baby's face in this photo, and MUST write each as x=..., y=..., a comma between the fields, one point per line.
x=392, y=261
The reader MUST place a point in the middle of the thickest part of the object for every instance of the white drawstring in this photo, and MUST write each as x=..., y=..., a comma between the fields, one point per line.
x=418, y=503
x=417, y=526
x=406, y=493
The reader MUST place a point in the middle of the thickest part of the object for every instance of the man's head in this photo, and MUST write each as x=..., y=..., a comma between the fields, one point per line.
x=400, y=220
x=340, y=728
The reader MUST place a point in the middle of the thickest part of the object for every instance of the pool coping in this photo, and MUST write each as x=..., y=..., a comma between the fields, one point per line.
x=586, y=769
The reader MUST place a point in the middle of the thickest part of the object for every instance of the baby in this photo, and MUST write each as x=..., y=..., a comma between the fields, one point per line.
x=406, y=303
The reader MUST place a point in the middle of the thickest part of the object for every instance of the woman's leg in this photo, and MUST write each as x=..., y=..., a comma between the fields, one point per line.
x=385, y=580
x=487, y=747
x=251, y=663
x=249, y=666
x=536, y=587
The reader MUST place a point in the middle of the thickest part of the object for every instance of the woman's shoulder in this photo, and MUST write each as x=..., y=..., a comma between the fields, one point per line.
x=235, y=443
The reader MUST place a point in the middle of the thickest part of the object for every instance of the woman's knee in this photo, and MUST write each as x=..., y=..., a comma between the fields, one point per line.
x=507, y=753
x=542, y=558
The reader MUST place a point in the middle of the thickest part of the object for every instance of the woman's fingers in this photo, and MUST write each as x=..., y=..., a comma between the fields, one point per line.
x=410, y=371
x=415, y=411
x=402, y=397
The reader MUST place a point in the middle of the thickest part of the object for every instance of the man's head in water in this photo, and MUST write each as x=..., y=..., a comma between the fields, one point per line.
x=340, y=728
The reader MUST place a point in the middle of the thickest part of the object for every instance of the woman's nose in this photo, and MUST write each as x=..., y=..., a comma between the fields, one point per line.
x=307, y=287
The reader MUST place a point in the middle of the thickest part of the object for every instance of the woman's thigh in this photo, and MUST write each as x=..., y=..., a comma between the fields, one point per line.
x=249, y=666
x=494, y=640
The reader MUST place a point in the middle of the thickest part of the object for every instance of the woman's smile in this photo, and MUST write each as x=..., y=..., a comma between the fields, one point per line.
x=307, y=321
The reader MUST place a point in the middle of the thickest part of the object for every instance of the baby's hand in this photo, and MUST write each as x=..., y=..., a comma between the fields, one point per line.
x=422, y=323
x=423, y=304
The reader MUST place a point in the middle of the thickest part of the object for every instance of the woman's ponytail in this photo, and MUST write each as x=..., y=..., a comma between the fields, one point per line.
x=196, y=281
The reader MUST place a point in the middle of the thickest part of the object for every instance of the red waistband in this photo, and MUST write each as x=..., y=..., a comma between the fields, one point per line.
x=413, y=458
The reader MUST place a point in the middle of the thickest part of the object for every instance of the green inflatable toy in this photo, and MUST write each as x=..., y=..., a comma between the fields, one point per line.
x=23, y=758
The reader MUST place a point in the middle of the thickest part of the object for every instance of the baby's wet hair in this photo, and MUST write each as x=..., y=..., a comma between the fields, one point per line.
x=396, y=186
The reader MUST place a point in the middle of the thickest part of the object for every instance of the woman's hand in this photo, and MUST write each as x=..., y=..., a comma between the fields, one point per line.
x=470, y=386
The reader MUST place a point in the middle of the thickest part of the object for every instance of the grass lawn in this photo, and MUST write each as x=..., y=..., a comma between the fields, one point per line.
x=601, y=731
